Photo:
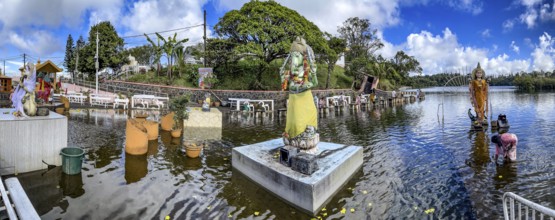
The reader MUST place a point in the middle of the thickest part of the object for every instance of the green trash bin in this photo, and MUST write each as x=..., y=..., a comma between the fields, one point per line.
x=72, y=158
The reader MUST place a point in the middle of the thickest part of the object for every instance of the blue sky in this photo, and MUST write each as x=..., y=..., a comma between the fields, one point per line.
x=445, y=36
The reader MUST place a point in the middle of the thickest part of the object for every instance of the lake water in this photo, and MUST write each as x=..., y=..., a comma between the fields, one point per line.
x=415, y=158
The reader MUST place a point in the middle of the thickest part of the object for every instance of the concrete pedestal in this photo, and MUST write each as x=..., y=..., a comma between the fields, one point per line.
x=200, y=119
x=26, y=142
x=307, y=192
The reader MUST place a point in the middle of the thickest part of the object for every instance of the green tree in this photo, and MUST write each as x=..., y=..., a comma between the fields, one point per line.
x=158, y=51
x=69, y=60
x=169, y=47
x=79, y=45
x=265, y=30
x=404, y=64
x=362, y=42
x=336, y=47
x=143, y=54
x=110, y=48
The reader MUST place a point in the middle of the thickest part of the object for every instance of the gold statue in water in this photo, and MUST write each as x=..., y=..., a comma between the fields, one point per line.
x=479, y=94
x=298, y=76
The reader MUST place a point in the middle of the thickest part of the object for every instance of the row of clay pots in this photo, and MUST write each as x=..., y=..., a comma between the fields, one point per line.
x=139, y=131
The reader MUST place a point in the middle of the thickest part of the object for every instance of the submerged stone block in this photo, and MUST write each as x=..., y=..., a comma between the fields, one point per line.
x=337, y=164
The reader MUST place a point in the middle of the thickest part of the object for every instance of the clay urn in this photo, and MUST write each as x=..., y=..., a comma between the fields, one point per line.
x=136, y=138
x=167, y=122
x=192, y=150
x=151, y=129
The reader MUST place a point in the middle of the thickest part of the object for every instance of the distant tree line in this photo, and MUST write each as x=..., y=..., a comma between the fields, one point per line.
x=528, y=82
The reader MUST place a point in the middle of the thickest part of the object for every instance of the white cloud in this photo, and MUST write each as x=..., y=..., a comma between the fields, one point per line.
x=472, y=6
x=544, y=54
x=39, y=42
x=508, y=25
x=156, y=15
x=536, y=12
x=547, y=14
x=329, y=14
x=53, y=13
x=443, y=53
x=514, y=47
x=486, y=33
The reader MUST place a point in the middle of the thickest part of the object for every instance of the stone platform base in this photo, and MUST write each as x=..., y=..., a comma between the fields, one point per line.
x=26, y=142
x=201, y=119
x=337, y=163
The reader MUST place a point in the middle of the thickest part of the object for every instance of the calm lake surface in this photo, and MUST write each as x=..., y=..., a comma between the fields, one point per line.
x=415, y=159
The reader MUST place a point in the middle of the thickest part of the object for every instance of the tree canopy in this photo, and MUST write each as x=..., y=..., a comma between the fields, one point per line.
x=69, y=58
x=109, y=50
x=267, y=29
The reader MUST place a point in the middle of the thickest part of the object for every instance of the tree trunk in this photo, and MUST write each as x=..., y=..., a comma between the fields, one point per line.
x=330, y=69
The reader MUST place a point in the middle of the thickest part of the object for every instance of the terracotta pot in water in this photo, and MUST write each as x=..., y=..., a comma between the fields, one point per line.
x=192, y=150
x=151, y=129
x=167, y=122
x=176, y=133
x=136, y=138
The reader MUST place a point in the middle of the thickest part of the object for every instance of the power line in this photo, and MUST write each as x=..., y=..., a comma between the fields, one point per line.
x=184, y=28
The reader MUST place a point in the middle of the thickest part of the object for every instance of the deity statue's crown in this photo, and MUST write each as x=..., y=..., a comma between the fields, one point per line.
x=478, y=68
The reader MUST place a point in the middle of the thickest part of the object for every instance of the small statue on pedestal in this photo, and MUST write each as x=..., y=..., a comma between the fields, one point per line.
x=479, y=96
x=206, y=103
x=23, y=98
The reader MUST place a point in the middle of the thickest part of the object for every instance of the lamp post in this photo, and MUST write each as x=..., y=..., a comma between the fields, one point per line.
x=96, y=61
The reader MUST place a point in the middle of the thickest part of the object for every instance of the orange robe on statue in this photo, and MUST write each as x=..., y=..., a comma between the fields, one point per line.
x=479, y=92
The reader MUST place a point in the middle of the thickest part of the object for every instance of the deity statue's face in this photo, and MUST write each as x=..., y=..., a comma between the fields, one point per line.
x=479, y=74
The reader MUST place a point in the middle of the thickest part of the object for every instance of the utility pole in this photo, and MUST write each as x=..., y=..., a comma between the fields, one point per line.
x=76, y=62
x=4, y=72
x=204, y=38
x=96, y=60
x=24, y=61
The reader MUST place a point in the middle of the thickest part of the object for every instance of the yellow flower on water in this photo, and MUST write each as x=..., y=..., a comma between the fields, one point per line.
x=324, y=214
x=369, y=204
x=208, y=207
x=500, y=176
x=229, y=216
x=429, y=211
x=324, y=209
x=415, y=208
x=364, y=192
x=352, y=210
x=256, y=213
x=167, y=217
x=343, y=210
x=225, y=158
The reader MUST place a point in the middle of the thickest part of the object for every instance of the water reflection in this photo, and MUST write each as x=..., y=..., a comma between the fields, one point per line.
x=505, y=174
x=72, y=185
x=479, y=153
x=136, y=167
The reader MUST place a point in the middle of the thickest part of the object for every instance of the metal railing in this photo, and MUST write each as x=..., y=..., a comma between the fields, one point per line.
x=531, y=209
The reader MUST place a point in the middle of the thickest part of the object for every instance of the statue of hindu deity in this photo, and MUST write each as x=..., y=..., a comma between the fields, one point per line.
x=23, y=98
x=479, y=95
x=298, y=76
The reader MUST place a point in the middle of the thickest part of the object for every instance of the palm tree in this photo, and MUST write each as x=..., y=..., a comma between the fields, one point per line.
x=157, y=52
x=169, y=47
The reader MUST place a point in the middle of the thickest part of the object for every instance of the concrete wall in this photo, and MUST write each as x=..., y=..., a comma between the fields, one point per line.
x=26, y=142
